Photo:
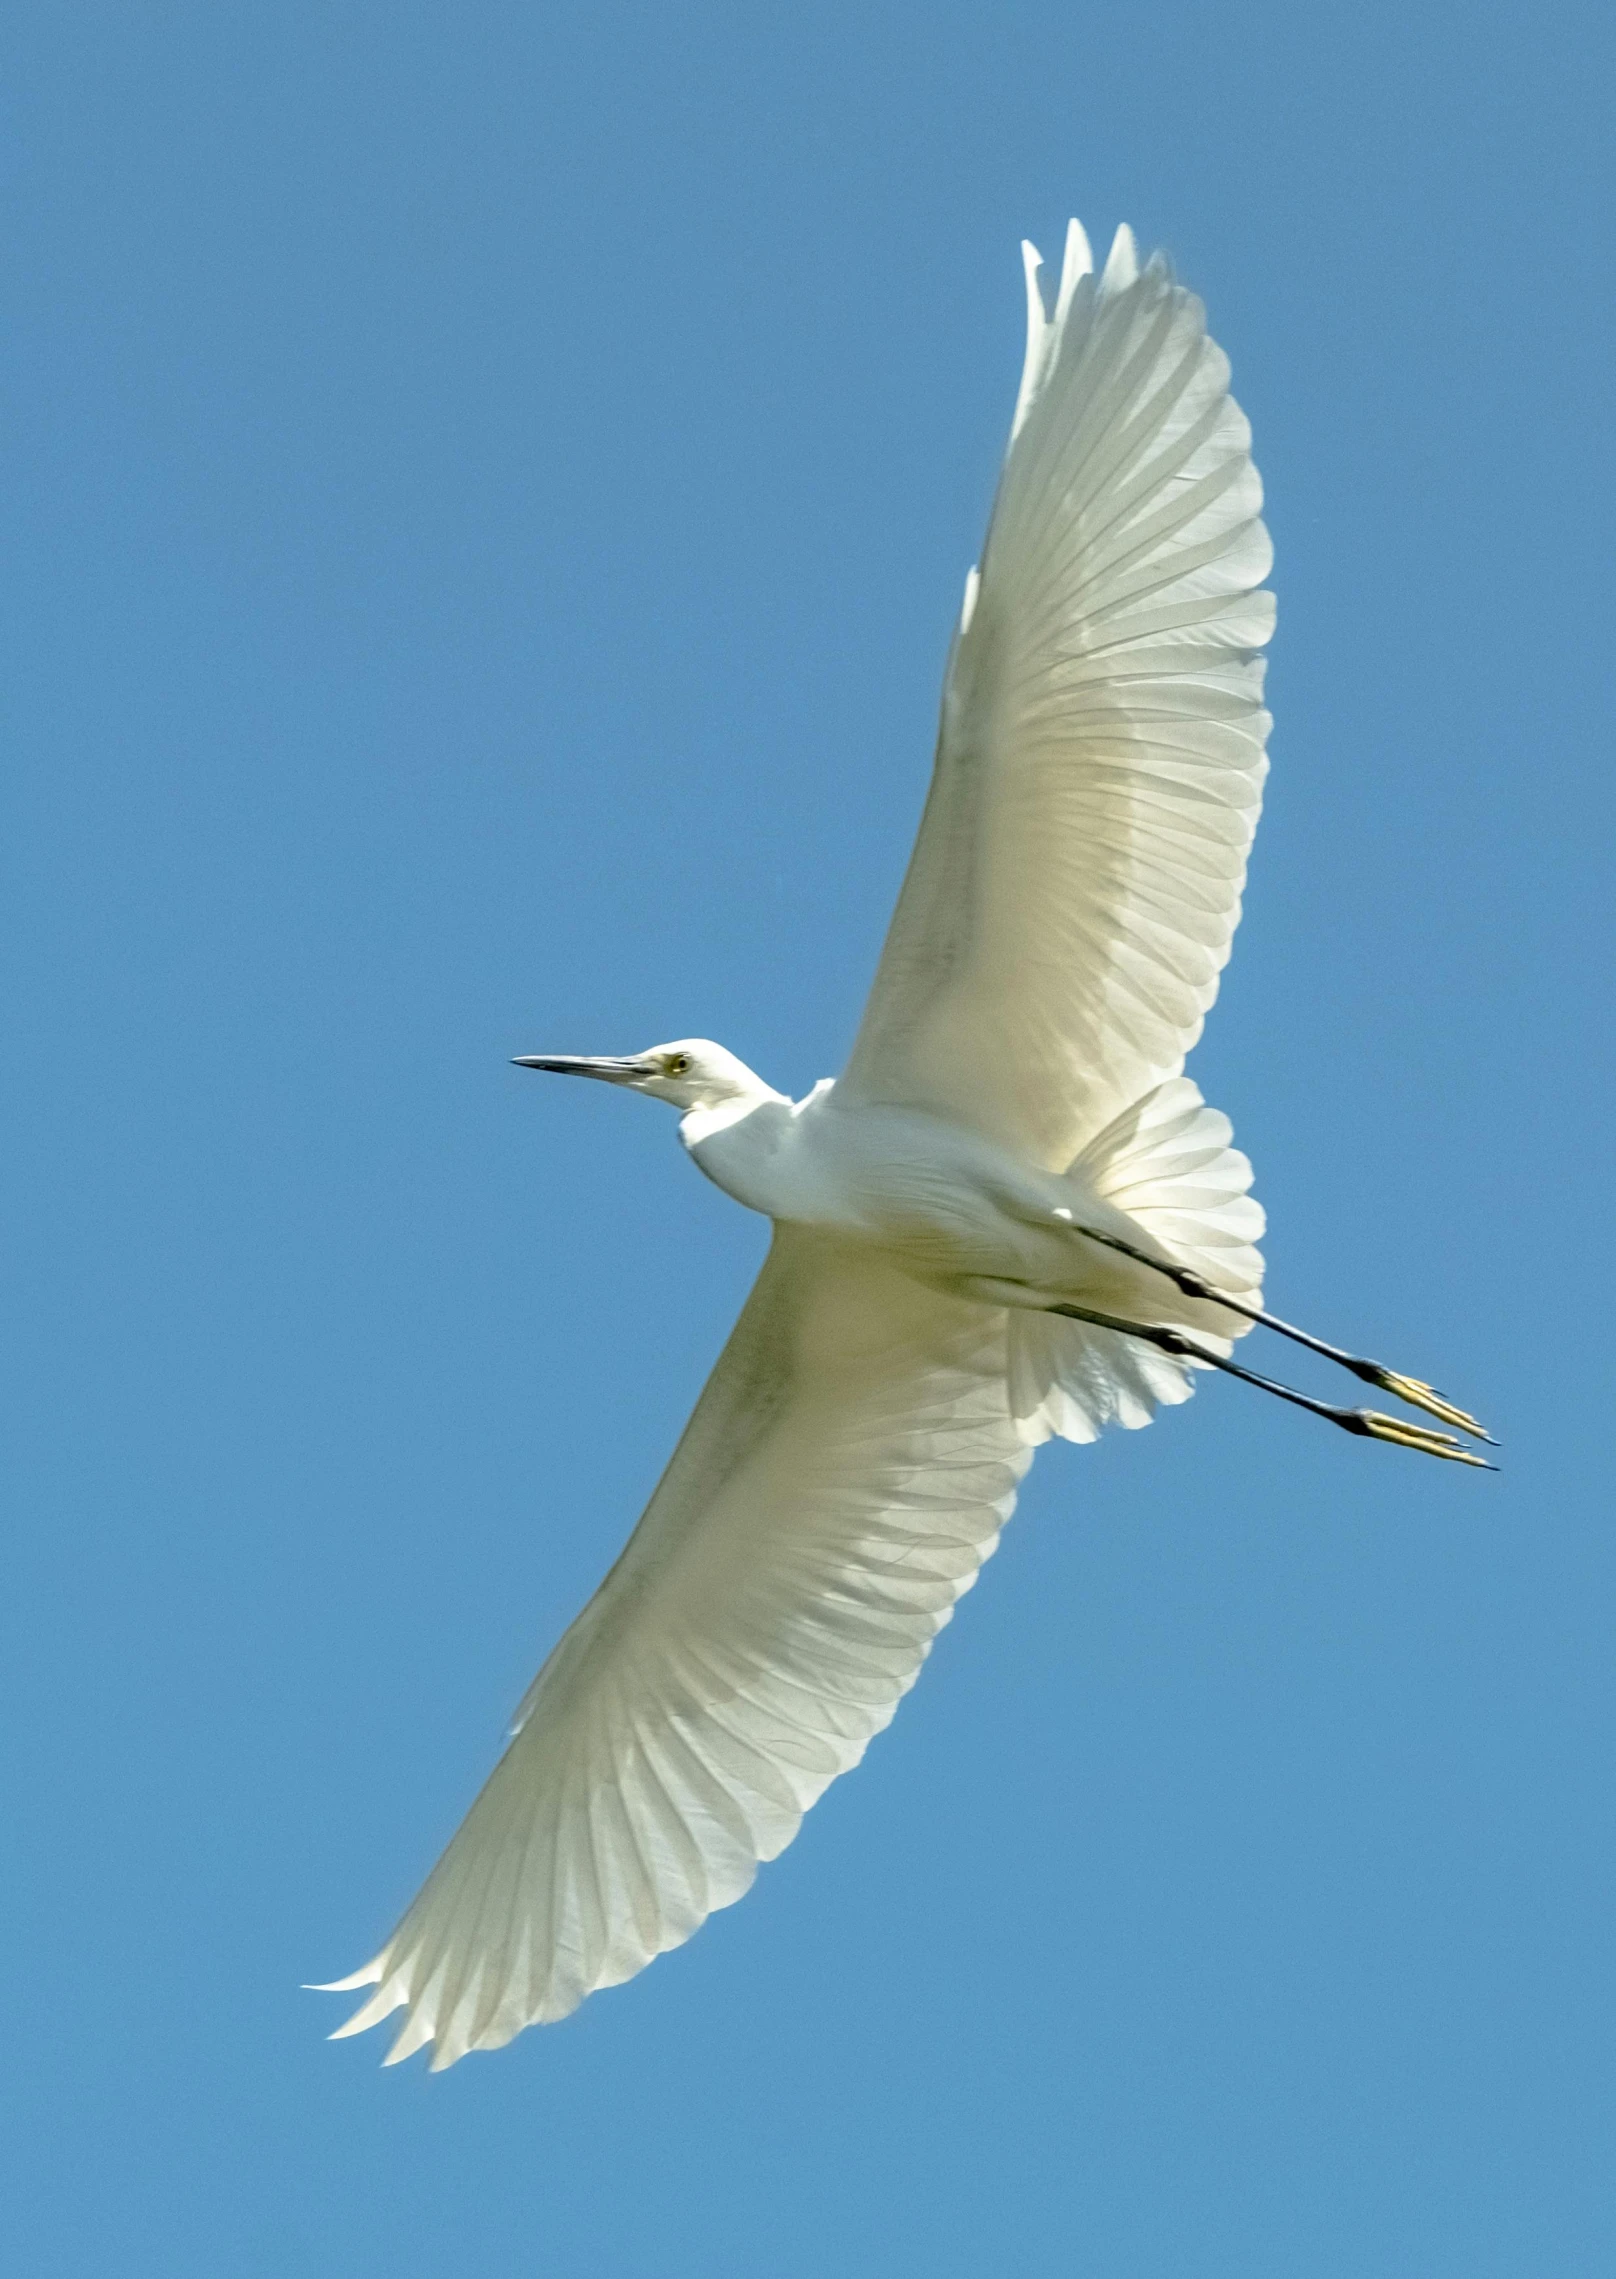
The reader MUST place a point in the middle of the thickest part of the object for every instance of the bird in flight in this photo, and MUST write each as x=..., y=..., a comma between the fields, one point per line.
x=1012, y=1216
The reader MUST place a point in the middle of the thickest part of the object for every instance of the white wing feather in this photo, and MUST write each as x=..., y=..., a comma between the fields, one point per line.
x=845, y=1473
x=1077, y=879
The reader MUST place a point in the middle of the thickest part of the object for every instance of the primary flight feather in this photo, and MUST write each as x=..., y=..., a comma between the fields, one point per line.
x=1012, y=1217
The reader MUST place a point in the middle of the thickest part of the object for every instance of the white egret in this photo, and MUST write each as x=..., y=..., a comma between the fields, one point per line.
x=1011, y=1217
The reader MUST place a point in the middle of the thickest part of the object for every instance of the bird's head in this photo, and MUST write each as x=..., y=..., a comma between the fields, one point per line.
x=691, y=1073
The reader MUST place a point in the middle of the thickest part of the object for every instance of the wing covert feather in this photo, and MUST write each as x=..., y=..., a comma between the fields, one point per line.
x=843, y=1477
x=1077, y=878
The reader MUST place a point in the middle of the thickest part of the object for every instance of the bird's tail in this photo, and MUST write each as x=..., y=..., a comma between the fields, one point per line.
x=1168, y=1163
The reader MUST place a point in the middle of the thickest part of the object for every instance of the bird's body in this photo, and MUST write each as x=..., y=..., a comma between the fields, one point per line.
x=945, y=1201
x=950, y=1206
x=1012, y=1217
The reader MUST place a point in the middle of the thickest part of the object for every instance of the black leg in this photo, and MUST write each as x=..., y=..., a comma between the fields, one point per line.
x=1367, y=1423
x=1411, y=1389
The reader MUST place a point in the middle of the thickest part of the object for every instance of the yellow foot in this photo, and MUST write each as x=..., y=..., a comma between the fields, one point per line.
x=1373, y=1426
x=1422, y=1396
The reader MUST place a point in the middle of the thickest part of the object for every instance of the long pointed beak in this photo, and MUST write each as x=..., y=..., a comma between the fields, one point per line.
x=608, y=1070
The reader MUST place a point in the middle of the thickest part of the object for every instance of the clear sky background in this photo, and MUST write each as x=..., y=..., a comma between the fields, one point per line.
x=489, y=490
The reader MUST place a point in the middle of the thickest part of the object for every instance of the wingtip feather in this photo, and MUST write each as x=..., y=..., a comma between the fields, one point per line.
x=1032, y=262
x=1076, y=264
x=1122, y=262
x=414, y=2034
x=381, y=2005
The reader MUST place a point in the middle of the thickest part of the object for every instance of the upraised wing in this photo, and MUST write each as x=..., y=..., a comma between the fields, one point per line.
x=1077, y=879
x=845, y=1473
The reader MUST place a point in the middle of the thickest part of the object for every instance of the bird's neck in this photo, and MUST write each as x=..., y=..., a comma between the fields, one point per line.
x=715, y=1116
x=751, y=1147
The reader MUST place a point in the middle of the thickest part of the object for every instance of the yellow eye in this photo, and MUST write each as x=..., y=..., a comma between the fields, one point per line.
x=678, y=1064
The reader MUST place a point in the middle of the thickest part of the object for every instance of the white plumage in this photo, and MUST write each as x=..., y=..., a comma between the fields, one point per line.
x=1077, y=878
x=845, y=1474
x=1012, y=1217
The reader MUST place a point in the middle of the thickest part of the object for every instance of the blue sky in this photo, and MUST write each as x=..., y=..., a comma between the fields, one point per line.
x=489, y=488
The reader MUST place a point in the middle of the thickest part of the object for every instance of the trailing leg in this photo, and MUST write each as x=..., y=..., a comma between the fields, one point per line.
x=1418, y=1394
x=1366, y=1423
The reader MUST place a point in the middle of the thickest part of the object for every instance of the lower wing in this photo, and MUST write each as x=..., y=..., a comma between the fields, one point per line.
x=846, y=1472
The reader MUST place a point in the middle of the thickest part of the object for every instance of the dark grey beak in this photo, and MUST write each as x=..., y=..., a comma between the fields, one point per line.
x=608, y=1070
